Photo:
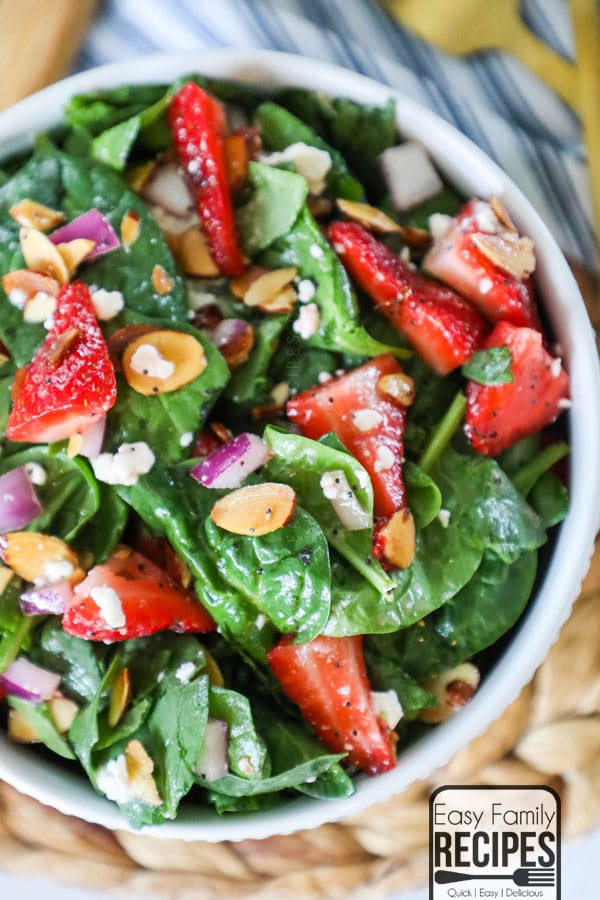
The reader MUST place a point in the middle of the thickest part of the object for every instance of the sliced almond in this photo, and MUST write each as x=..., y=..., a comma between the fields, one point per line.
x=6, y=575
x=369, y=216
x=501, y=214
x=74, y=446
x=74, y=253
x=416, y=238
x=131, y=227
x=213, y=671
x=256, y=509
x=39, y=308
x=139, y=176
x=515, y=256
x=237, y=157
x=139, y=770
x=397, y=387
x=182, y=350
x=161, y=281
x=41, y=255
x=118, y=341
x=120, y=697
x=399, y=538
x=29, y=284
x=235, y=345
x=63, y=711
x=283, y=302
x=220, y=431
x=30, y=214
x=19, y=729
x=32, y=556
x=190, y=249
x=62, y=346
x=241, y=284
x=265, y=291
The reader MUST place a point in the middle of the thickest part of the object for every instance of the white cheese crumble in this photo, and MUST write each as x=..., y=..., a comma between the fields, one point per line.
x=565, y=403
x=245, y=765
x=125, y=466
x=116, y=783
x=36, y=473
x=385, y=459
x=315, y=251
x=185, y=672
x=186, y=439
x=555, y=366
x=387, y=707
x=337, y=490
x=107, y=304
x=109, y=604
x=485, y=218
x=444, y=517
x=147, y=360
x=485, y=285
x=306, y=290
x=310, y=162
x=308, y=321
x=439, y=223
x=322, y=377
x=366, y=419
x=260, y=621
x=17, y=297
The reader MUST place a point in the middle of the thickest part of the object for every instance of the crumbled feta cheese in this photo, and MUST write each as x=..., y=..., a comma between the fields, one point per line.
x=444, y=517
x=439, y=223
x=280, y=393
x=322, y=377
x=337, y=490
x=366, y=419
x=385, y=459
x=555, y=366
x=186, y=439
x=485, y=218
x=126, y=465
x=260, y=621
x=344, y=690
x=56, y=570
x=315, y=251
x=36, y=473
x=109, y=604
x=404, y=255
x=147, y=360
x=197, y=298
x=185, y=672
x=107, y=304
x=308, y=321
x=113, y=780
x=409, y=174
x=387, y=707
x=17, y=297
x=485, y=285
x=339, y=248
x=245, y=765
x=565, y=403
x=310, y=162
x=126, y=779
x=306, y=290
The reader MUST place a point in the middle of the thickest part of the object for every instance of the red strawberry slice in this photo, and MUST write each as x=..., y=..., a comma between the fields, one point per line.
x=500, y=415
x=442, y=327
x=327, y=679
x=367, y=421
x=71, y=381
x=199, y=128
x=455, y=260
x=129, y=597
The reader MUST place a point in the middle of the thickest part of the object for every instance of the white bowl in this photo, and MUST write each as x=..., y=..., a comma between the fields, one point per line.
x=473, y=173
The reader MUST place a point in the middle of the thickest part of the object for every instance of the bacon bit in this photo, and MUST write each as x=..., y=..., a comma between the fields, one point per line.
x=63, y=345
x=131, y=227
x=35, y=215
x=161, y=281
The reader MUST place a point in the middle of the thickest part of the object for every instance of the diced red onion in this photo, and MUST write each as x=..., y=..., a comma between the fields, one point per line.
x=167, y=188
x=24, y=679
x=93, y=438
x=19, y=504
x=228, y=465
x=47, y=599
x=212, y=762
x=92, y=226
x=227, y=331
x=409, y=175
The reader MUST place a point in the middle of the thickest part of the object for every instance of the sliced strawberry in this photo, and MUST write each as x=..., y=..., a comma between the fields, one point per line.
x=327, y=679
x=500, y=415
x=199, y=128
x=369, y=424
x=131, y=588
x=71, y=381
x=442, y=327
x=455, y=260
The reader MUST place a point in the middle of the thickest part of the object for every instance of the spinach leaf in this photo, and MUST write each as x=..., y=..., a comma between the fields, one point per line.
x=386, y=673
x=361, y=133
x=447, y=202
x=279, y=128
x=80, y=663
x=491, y=366
x=246, y=750
x=276, y=198
x=422, y=493
x=99, y=111
x=297, y=775
x=15, y=628
x=251, y=382
x=284, y=573
x=101, y=534
x=550, y=499
x=114, y=145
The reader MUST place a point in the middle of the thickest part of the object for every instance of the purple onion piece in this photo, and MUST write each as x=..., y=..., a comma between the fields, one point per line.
x=19, y=504
x=92, y=226
x=227, y=331
x=212, y=762
x=48, y=599
x=24, y=679
x=227, y=466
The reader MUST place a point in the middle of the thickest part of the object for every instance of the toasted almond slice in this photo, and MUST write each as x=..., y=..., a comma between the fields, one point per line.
x=369, y=216
x=74, y=446
x=6, y=575
x=39, y=308
x=501, y=214
x=139, y=176
x=221, y=432
x=63, y=344
x=74, y=252
x=213, y=671
x=416, y=238
x=514, y=256
x=130, y=228
x=237, y=157
x=283, y=302
x=33, y=557
x=265, y=288
x=190, y=249
x=399, y=539
x=29, y=284
x=398, y=387
x=139, y=770
x=120, y=696
x=241, y=284
x=161, y=281
x=63, y=711
x=182, y=351
x=19, y=729
x=256, y=509
x=35, y=215
x=41, y=255
x=118, y=341
x=235, y=344
x=320, y=207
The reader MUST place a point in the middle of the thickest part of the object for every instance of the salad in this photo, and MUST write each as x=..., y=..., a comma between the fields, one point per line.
x=278, y=452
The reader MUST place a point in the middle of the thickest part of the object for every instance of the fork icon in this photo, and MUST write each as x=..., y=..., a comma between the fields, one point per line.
x=522, y=877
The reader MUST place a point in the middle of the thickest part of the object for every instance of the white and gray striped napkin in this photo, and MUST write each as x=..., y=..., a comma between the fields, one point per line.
x=489, y=96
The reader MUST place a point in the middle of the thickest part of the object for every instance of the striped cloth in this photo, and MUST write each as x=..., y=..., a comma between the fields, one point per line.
x=490, y=96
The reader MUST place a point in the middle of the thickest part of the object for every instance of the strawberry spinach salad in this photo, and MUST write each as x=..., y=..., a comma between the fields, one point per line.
x=278, y=451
